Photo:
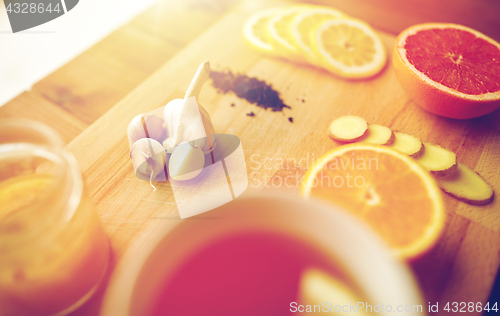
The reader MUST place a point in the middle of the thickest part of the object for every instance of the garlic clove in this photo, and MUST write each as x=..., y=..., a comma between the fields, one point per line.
x=171, y=115
x=135, y=130
x=185, y=123
x=148, y=158
x=155, y=127
x=186, y=162
x=209, y=129
x=146, y=125
x=185, y=119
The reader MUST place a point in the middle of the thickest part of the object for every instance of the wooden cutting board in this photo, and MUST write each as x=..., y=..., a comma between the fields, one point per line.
x=463, y=265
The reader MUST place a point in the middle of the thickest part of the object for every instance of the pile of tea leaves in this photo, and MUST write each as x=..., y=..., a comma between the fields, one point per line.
x=249, y=88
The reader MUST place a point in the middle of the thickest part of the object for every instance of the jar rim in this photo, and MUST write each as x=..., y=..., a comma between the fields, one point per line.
x=46, y=135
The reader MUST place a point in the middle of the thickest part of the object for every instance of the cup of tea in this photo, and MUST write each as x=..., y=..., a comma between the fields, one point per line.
x=262, y=255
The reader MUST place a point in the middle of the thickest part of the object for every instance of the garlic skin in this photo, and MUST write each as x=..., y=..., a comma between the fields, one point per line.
x=148, y=158
x=185, y=121
x=146, y=126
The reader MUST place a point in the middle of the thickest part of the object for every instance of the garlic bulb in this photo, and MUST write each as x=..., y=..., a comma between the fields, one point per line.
x=146, y=126
x=185, y=119
x=148, y=158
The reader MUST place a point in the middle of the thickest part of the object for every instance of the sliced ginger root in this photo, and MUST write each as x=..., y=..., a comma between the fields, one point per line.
x=467, y=186
x=455, y=179
x=347, y=128
x=377, y=134
x=408, y=144
x=439, y=161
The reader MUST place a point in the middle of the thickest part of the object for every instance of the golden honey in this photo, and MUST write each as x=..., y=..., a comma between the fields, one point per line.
x=53, y=250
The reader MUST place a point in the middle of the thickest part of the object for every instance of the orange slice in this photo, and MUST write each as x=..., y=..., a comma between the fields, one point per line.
x=255, y=31
x=449, y=69
x=391, y=192
x=348, y=48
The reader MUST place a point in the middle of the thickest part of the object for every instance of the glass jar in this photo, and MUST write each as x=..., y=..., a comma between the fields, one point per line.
x=53, y=250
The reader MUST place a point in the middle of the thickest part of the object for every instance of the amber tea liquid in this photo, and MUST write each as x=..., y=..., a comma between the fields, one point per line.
x=254, y=273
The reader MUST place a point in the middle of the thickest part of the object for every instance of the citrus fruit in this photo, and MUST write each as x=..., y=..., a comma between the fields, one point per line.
x=279, y=35
x=255, y=31
x=303, y=22
x=348, y=48
x=391, y=192
x=449, y=69
x=317, y=286
x=20, y=191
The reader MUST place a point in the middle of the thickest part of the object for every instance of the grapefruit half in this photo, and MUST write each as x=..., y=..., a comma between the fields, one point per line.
x=449, y=69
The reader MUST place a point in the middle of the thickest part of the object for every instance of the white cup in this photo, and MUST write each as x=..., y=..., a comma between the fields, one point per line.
x=349, y=243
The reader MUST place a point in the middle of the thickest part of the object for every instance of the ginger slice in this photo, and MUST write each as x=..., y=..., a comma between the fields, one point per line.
x=377, y=134
x=467, y=186
x=347, y=128
x=439, y=161
x=408, y=144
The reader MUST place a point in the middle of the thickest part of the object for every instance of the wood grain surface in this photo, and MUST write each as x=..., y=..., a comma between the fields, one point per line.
x=81, y=98
x=393, y=15
x=92, y=83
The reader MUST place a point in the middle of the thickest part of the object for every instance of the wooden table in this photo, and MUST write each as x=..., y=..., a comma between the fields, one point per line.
x=82, y=99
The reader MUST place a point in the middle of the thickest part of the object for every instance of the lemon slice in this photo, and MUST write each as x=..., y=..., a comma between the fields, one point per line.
x=279, y=34
x=317, y=287
x=17, y=192
x=302, y=24
x=255, y=31
x=348, y=48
